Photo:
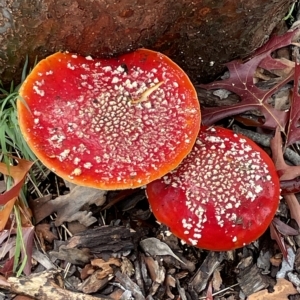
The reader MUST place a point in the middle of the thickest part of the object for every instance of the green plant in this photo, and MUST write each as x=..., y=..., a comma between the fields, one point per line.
x=11, y=139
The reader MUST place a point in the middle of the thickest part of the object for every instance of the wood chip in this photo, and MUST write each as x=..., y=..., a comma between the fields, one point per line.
x=200, y=279
x=43, y=286
x=282, y=290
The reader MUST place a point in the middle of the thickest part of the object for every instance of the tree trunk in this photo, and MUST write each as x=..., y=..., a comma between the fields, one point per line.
x=199, y=35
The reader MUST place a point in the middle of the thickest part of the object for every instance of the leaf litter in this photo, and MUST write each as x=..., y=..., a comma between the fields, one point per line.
x=120, y=251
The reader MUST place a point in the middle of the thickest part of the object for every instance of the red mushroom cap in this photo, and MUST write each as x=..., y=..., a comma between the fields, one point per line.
x=109, y=123
x=222, y=196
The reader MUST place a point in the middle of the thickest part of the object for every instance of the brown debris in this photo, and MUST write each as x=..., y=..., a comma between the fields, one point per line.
x=43, y=286
x=200, y=279
x=72, y=255
x=249, y=276
x=104, y=239
x=157, y=274
x=44, y=233
x=282, y=290
x=68, y=207
x=105, y=268
x=93, y=284
x=128, y=284
x=297, y=260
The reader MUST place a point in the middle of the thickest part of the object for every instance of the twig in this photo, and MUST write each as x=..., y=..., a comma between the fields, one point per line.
x=221, y=291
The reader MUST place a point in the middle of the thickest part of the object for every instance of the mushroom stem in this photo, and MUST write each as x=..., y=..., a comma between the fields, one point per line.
x=147, y=93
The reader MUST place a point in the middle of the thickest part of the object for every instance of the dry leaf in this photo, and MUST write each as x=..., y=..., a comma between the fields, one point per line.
x=154, y=246
x=157, y=272
x=72, y=255
x=275, y=235
x=285, y=171
x=8, y=242
x=8, y=198
x=105, y=266
x=68, y=207
x=86, y=271
x=283, y=228
x=294, y=206
x=170, y=282
x=282, y=290
x=44, y=233
x=217, y=280
x=241, y=81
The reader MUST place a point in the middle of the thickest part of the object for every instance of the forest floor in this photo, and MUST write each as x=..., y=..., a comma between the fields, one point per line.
x=92, y=244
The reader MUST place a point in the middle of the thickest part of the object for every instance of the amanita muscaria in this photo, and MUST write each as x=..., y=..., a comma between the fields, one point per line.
x=222, y=196
x=109, y=123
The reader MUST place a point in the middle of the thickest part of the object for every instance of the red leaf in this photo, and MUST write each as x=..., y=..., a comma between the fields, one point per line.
x=294, y=207
x=7, y=199
x=293, y=133
x=241, y=82
x=28, y=235
x=18, y=173
x=285, y=172
x=275, y=42
x=275, y=235
x=283, y=228
x=290, y=186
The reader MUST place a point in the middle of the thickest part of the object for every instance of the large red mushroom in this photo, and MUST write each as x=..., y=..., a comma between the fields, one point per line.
x=222, y=196
x=109, y=123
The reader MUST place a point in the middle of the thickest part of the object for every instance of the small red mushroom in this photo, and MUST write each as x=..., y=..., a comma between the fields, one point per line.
x=109, y=123
x=222, y=196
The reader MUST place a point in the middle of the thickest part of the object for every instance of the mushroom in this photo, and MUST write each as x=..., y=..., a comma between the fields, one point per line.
x=222, y=196
x=109, y=123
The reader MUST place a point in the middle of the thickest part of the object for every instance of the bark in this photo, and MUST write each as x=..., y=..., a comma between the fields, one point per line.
x=199, y=35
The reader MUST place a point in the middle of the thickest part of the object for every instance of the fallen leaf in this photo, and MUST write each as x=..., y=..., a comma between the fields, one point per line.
x=275, y=42
x=293, y=132
x=241, y=82
x=86, y=271
x=8, y=198
x=217, y=280
x=282, y=290
x=283, y=228
x=105, y=266
x=154, y=246
x=170, y=283
x=156, y=271
x=275, y=235
x=44, y=233
x=285, y=172
x=68, y=207
x=72, y=255
x=7, y=247
x=28, y=235
x=294, y=207
x=18, y=174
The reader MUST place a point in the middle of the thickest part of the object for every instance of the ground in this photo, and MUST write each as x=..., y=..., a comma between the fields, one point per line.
x=84, y=243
